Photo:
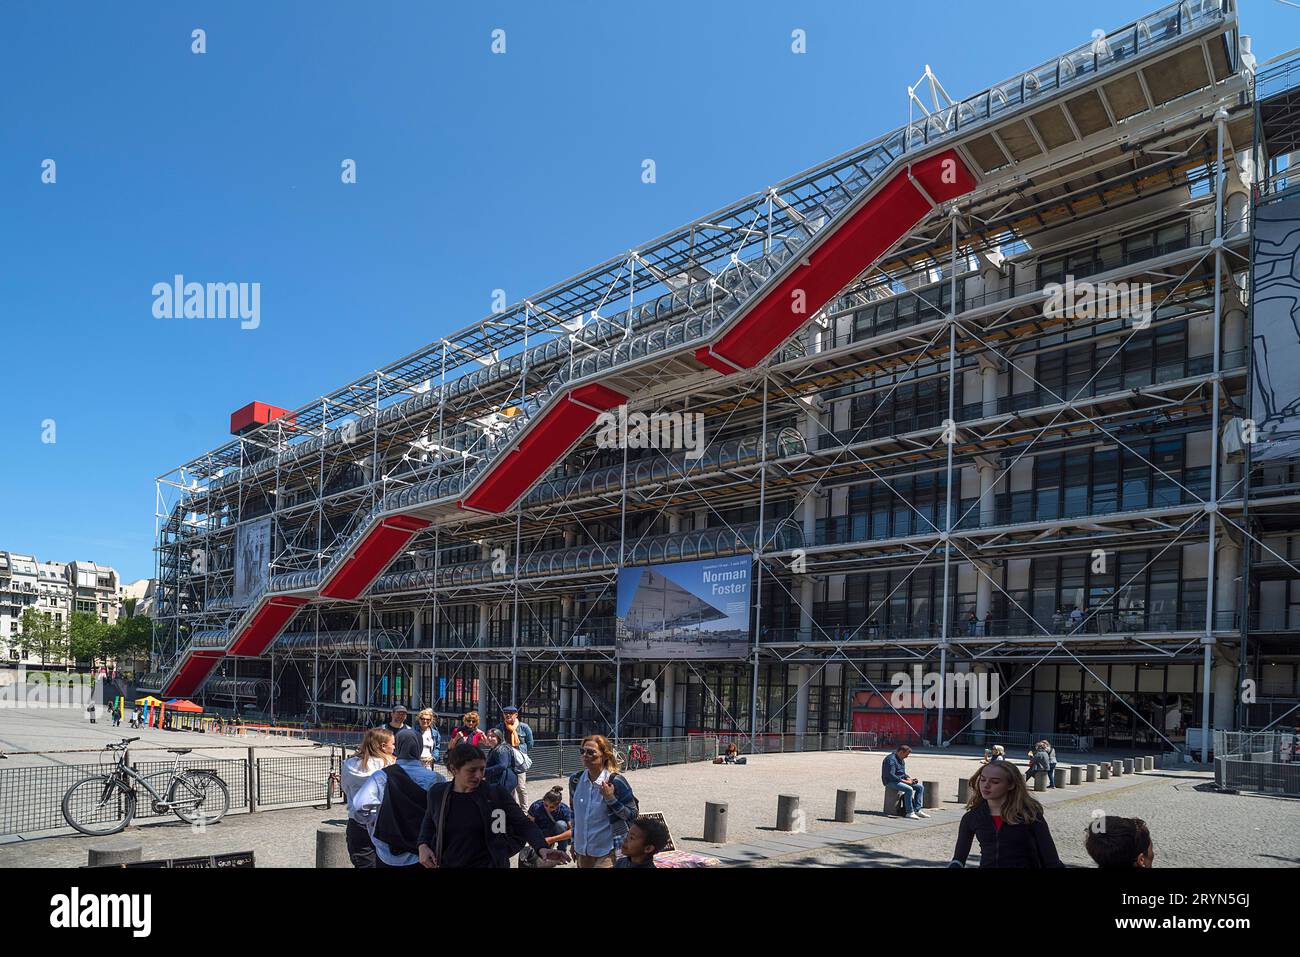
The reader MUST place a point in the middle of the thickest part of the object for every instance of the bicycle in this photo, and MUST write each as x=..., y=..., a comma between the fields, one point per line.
x=104, y=804
x=638, y=756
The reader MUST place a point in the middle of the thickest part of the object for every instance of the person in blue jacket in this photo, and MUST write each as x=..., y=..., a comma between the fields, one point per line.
x=893, y=773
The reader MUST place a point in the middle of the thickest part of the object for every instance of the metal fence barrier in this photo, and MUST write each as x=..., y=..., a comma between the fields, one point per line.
x=297, y=780
x=1263, y=761
x=31, y=798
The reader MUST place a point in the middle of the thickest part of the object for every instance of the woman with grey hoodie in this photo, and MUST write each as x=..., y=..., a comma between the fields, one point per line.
x=374, y=754
x=393, y=801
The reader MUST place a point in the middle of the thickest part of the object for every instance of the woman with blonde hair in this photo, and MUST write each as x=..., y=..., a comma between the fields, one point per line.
x=430, y=737
x=373, y=754
x=603, y=804
x=1006, y=820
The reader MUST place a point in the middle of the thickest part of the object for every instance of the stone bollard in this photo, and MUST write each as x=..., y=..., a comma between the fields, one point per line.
x=715, y=823
x=1128, y=765
x=1091, y=773
x=1060, y=777
x=1076, y=775
x=1040, y=781
x=1105, y=772
x=931, y=799
x=114, y=854
x=787, y=809
x=963, y=791
x=894, y=803
x=332, y=847
x=845, y=804
x=1148, y=763
x=1117, y=767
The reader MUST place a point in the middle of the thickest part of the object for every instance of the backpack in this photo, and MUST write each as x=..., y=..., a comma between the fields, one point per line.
x=520, y=762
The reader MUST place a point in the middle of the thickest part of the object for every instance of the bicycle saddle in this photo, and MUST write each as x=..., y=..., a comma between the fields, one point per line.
x=179, y=750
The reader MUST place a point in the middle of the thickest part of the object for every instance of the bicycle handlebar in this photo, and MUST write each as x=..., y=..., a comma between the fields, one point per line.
x=123, y=744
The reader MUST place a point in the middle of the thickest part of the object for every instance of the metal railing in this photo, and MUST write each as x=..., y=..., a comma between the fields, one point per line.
x=31, y=797
x=1264, y=761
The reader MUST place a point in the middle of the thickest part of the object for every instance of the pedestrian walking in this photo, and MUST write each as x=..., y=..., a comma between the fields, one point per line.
x=393, y=801
x=501, y=770
x=893, y=773
x=520, y=737
x=1006, y=820
x=603, y=804
x=471, y=823
x=396, y=720
x=91, y=712
x=429, y=737
x=374, y=754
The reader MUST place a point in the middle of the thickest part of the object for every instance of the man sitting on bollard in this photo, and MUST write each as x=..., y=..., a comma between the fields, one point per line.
x=894, y=775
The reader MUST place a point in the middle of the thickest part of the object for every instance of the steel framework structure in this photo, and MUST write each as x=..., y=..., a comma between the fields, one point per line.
x=442, y=524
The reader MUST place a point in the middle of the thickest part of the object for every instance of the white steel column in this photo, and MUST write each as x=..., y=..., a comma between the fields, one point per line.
x=801, y=675
x=950, y=438
x=667, y=702
x=1212, y=507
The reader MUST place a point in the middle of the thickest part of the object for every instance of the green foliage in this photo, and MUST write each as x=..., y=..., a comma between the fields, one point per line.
x=87, y=638
x=42, y=637
x=129, y=639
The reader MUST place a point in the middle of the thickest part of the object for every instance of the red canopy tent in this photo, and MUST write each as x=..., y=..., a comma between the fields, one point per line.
x=184, y=704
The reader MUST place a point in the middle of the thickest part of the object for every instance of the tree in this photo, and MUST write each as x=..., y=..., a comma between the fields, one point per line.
x=128, y=608
x=42, y=637
x=87, y=637
x=129, y=640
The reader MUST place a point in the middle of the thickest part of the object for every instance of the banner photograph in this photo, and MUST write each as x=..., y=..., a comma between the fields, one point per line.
x=685, y=610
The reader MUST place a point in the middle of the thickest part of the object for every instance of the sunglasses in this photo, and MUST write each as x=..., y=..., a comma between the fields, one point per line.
x=589, y=752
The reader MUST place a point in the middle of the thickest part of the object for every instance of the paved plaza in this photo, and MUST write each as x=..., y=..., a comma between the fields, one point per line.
x=1193, y=826
x=66, y=736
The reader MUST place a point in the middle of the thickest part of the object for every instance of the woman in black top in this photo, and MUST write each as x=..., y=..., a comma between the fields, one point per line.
x=1006, y=820
x=470, y=823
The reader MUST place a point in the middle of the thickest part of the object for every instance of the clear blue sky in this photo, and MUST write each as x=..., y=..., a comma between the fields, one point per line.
x=475, y=171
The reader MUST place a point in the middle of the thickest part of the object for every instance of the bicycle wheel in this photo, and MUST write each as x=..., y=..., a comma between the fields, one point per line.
x=99, y=805
x=199, y=797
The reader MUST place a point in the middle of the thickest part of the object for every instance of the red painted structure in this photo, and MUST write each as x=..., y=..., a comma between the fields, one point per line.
x=541, y=447
x=886, y=217
x=255, y=414
x=373, y=554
